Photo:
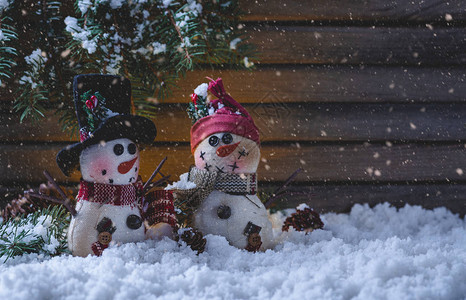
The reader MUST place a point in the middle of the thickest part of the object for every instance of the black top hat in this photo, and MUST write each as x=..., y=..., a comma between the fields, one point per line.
x=103, y=106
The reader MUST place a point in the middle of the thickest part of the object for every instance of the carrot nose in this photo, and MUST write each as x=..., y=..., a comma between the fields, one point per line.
x=226, y=150
x=124, y=167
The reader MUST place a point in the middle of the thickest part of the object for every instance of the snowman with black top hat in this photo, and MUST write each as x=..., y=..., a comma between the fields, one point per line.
x=107, y=155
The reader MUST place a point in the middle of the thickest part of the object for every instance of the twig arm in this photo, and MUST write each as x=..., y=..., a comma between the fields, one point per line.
x=157, y=183
x=65, y=203
x=66, y=200
x=281, y=190
x=274, y=197
x=157, y=170
x=55, y=184
x=288, y=181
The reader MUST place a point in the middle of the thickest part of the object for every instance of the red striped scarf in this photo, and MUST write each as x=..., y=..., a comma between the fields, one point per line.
x=118, y=195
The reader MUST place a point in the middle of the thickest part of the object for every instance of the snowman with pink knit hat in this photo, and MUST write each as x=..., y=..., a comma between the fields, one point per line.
x=219, y=194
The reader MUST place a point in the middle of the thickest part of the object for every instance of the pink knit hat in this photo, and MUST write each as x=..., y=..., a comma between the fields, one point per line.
x=228, y=116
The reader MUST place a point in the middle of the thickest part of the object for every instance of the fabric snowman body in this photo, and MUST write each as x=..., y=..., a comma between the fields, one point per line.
x=225, y=144
x=226, y=214
x=110, y=199
x=102, y=165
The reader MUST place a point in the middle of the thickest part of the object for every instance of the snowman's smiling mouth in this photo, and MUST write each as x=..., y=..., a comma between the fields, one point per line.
x=124, y=167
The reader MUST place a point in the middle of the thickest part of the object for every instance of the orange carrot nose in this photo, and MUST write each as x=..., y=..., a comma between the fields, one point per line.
x=124, y=167
x=226, y=150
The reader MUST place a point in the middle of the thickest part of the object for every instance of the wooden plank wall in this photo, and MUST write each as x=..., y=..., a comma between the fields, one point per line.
x=367, y=97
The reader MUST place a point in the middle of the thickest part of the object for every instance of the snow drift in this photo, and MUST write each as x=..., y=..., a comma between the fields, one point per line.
x=371, y=253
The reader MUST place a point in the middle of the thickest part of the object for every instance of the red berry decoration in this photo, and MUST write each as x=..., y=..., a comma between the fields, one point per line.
x=89, y=104
x=92, y=103
x=194, y=98
x=94, y=100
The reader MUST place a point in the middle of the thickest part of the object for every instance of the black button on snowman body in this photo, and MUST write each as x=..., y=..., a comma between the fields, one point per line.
x=134, y=222
x=224, y=212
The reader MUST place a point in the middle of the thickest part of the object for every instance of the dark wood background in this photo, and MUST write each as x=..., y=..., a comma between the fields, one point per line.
x=368, y=97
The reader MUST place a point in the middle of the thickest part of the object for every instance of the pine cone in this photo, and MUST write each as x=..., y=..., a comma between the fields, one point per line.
x=25, y=204
x=194, y=238
x=303, y=220
x=22, y=205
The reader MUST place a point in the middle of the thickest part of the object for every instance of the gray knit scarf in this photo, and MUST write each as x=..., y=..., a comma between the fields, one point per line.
x=207, y=181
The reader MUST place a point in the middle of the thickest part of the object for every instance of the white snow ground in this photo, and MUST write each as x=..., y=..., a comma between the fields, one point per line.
x=378, y=253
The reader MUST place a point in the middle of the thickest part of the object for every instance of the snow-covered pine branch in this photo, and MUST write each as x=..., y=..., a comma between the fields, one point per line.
x=151, y=42
x=42, y=232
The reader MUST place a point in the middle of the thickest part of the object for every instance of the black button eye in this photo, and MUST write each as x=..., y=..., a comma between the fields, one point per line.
x=118, y=149
x=213, y=141
x=132, y=148
x=227, y=138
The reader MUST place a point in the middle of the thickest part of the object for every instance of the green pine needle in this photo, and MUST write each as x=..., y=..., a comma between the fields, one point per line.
x=198, y=110
x=42, y=232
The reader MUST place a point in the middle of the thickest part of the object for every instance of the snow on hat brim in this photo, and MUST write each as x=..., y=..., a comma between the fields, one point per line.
x=233, y=123
x=136, y=128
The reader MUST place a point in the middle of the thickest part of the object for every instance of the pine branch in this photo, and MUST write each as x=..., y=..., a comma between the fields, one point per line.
x=43, y=232
x=7, y=53
x=151, y=43
x=172, y=20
